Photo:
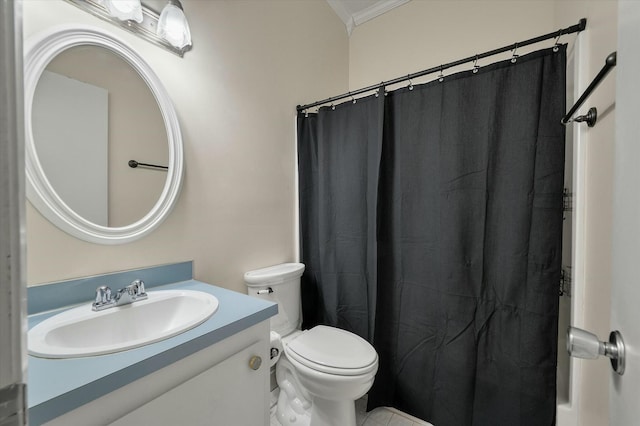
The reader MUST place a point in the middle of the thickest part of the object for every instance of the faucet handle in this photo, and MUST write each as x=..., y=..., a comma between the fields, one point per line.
x=103, y=297
x=103, y=294
x=136, y=288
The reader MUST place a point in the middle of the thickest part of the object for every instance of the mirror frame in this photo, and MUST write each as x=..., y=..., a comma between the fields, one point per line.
x=40, y=49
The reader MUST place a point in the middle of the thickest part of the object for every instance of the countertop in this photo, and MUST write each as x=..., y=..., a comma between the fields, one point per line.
x=56, y=386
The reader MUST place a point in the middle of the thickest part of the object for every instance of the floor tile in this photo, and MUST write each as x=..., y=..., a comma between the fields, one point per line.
x=397, y=420
x=381, y=416
x=378, y=415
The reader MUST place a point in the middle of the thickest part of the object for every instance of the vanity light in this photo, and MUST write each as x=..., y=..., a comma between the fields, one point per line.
x=170, y=31
x=173, y=25
x=124, y=10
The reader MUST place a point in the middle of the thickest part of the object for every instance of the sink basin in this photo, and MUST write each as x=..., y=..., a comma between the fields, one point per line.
x=81, y=332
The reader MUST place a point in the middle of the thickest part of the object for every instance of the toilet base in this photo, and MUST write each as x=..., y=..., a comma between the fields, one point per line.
x=331, y=413
x=293, y=402
x=297, y=407
x=320, y=413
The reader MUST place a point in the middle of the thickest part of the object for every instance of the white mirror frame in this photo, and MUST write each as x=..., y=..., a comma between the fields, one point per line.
x=40, y=49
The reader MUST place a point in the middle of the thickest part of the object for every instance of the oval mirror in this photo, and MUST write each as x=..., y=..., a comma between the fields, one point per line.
x=92, y=105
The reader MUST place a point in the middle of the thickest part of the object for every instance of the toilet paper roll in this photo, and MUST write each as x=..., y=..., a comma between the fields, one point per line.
x=276, y=348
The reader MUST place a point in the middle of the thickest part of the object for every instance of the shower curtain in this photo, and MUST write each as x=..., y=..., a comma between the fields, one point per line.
x=431, y=224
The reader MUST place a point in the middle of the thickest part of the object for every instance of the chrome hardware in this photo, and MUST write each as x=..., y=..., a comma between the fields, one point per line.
x=129, y=294
x=514, y=57
x=255, y=362
x=104, y=299
x=274, y=353
x=476, y=67
x=617, y=361
x=138, y=288
x=103, y=296
x=267, y=290
x=556, y=44
x=583, y=344
x=565, y=282
x=567, y=200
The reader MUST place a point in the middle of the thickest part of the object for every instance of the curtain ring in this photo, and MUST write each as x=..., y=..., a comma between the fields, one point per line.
x=476, y=67
x=556, y=44
x=306, y=113
x=333, y=107
x=514, y=57
x=353, y=100
x=441, y=75
x=410, y=83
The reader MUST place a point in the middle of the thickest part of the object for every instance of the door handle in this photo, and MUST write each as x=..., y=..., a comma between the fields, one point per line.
x=586, y=345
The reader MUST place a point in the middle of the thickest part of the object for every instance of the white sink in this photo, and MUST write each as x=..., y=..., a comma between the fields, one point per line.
x=81, y=332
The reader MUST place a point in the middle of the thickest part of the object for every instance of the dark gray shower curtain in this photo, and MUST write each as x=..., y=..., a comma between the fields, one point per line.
x=338, y=181
x=443, y=247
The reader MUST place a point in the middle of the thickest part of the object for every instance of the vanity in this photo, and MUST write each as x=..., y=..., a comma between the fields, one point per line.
x=214, y=373
x=88, y=94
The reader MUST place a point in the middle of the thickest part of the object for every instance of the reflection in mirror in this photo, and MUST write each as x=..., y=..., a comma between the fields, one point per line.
x=91, y=114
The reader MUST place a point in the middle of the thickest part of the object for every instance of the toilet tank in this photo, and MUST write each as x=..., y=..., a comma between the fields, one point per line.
x=279, y=284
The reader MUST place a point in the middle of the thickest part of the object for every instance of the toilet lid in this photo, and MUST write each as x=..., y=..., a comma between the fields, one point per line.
x=335, y=348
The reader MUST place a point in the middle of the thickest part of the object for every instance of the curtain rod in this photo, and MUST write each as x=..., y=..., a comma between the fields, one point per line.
x=133, y=164
x=609, y=63
x=580, y=26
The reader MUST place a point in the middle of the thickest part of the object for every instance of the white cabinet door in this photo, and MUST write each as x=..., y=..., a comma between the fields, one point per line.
x=625, y=297
x=230, y=393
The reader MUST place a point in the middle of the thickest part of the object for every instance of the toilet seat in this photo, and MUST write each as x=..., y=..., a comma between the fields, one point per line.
x=333, y=351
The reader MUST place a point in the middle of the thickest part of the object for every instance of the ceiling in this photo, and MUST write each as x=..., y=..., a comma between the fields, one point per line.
x=356, y=12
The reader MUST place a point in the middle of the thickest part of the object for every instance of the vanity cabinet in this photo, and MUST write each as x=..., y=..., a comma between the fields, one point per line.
x=224, y=384
x=228, y=393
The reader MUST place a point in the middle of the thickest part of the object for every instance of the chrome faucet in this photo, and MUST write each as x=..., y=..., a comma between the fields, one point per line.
x=129, y=294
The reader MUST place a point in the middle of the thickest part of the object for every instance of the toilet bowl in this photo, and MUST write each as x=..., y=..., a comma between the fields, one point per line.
x=320, y=371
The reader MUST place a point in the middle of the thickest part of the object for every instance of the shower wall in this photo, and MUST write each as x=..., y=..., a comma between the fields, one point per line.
x=565, y=285
x=592, y=181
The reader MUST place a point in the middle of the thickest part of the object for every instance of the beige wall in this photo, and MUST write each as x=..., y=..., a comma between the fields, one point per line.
x=598, y=41
x=425, y=33
x=235, y=95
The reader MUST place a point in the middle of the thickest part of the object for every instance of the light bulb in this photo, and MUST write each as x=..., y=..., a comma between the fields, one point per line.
x=125, y=10
x=173, y=25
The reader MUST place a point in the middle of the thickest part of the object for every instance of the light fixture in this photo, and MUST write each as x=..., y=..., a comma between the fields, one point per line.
x=126, y=15
x=124, y=10
x=173, y=25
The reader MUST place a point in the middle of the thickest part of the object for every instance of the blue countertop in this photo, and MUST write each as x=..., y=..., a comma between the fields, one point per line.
x=56, y=386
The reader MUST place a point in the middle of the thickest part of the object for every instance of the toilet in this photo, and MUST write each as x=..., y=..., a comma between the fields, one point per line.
x=320, y=371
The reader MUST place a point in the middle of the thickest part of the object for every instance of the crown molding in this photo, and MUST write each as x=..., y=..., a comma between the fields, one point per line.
x=352, y=19
x=342, y=12
x=376, y=9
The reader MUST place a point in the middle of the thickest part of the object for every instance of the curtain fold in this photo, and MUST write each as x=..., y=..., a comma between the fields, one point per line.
x=340, y=150
x=431, y=224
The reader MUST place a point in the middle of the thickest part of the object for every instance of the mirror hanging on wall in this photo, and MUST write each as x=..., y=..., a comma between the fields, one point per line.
x=92, y=105
x=91, y=114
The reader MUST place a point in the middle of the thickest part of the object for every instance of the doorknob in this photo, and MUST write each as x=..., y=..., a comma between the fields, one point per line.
x=583, y=344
